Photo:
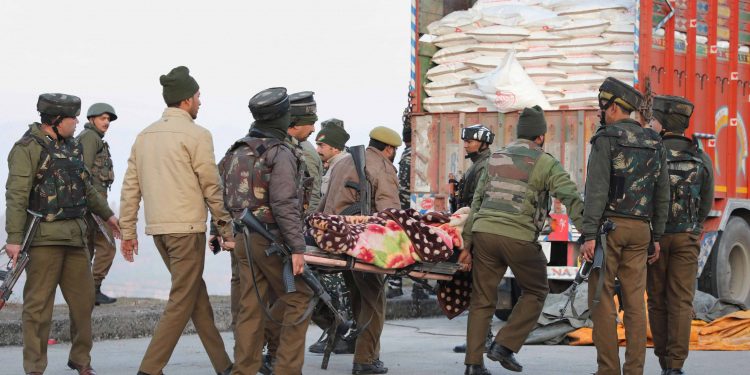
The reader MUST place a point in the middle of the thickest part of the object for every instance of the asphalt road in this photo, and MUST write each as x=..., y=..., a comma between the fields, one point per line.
x=418, y=346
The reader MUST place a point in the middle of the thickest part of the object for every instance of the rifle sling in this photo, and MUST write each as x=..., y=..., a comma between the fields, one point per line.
x=266, y=311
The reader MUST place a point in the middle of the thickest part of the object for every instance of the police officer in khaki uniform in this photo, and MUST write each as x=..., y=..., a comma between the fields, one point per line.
x=262, y=174
x=368, y=295
x=671, y=279
x=508, y=211
x=46, y=175
x=172, y=167
x=627, y=183
x=97, y=158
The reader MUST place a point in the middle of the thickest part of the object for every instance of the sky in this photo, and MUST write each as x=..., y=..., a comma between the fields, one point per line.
x=353, y=54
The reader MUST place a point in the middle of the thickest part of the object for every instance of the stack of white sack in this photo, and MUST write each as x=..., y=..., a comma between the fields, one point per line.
x=503, y=55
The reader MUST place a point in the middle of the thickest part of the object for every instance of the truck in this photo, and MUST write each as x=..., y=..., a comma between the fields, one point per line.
x=710, y=67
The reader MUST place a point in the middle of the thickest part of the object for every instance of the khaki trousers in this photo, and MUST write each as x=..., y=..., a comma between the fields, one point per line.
x=627, y=249
x=50, y=266
x=251, y=321
x=234, y=289
x=184, y=255
x=368, y=306
x=671, y=286
x=493, y=254
x=102, y=253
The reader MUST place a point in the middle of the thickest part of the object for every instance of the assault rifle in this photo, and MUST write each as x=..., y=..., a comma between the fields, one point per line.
x=11, y=274
x=281, y=249
x=364, y=205
x=585, y=270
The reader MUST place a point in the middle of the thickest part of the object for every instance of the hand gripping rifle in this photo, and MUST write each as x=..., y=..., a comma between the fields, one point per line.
x=11, y=274
x=585, y=270
x=364, y=205
x=281, y=249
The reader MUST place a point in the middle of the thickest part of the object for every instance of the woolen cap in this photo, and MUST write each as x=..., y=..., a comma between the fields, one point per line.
x=178, y=85
x=333, y=135
x=532, y=123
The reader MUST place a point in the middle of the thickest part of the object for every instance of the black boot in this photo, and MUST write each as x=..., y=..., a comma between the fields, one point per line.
x=267, y=367
x=101, y=298
x=476, y=370
x=505, y=356
x=342, y=347
x=675, y=371
x=376, y=367
x=228, y=370
x=487, y=344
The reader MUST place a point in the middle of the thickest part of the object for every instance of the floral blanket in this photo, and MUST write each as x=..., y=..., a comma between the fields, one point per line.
x=390, y=238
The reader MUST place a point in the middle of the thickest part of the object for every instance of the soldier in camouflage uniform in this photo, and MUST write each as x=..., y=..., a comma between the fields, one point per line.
x=627, y=183
x=262, y=174
x=97, y=158
x=671, y=279
x=508, y=211
x=303, y=111
x=46, y=175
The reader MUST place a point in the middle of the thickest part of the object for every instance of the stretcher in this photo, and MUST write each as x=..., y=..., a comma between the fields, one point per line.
x=325, y=261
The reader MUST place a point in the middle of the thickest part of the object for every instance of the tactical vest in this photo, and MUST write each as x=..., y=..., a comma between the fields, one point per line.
x=58, y=191
x=635, y=168
x=686, y=173
x=507, y=188
x=246, y=176
x=102, y=169
x=470, y=180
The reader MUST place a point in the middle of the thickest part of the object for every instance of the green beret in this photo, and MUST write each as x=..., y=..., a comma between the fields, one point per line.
x=531, y=123
x=332, y=121
x=99, y=109
x=178, y=85
x=673, y=112
x=386, y=135
x=333, y=135
x=59, y=105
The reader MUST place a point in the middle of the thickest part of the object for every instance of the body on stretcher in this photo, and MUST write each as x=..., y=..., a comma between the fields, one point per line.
x=325, y=261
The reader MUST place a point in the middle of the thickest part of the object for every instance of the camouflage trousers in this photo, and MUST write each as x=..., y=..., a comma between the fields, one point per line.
x=340, y=298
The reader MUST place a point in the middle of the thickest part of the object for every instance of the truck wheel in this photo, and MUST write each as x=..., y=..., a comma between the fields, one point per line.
x=730, y=262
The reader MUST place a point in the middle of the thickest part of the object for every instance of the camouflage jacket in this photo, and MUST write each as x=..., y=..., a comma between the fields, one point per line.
x=23, y=163
x=547, y=175
x=469, y=182
x=404, y=178
x=611, y=163
x=96, y=157
x=315, y=170
x=700, y=193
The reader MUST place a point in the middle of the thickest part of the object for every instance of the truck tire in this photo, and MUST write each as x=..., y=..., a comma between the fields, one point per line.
x=730, y=263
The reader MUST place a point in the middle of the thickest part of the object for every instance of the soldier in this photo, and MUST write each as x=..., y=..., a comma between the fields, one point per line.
x=627, y=183
x=331, y=141
x=98, y=160
x=303, y=111
x=508, y=210
x=477, y=140
x=368, y=297
x=46, y=175
x=671, y=279
x=262, y=174
x=172, y=167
